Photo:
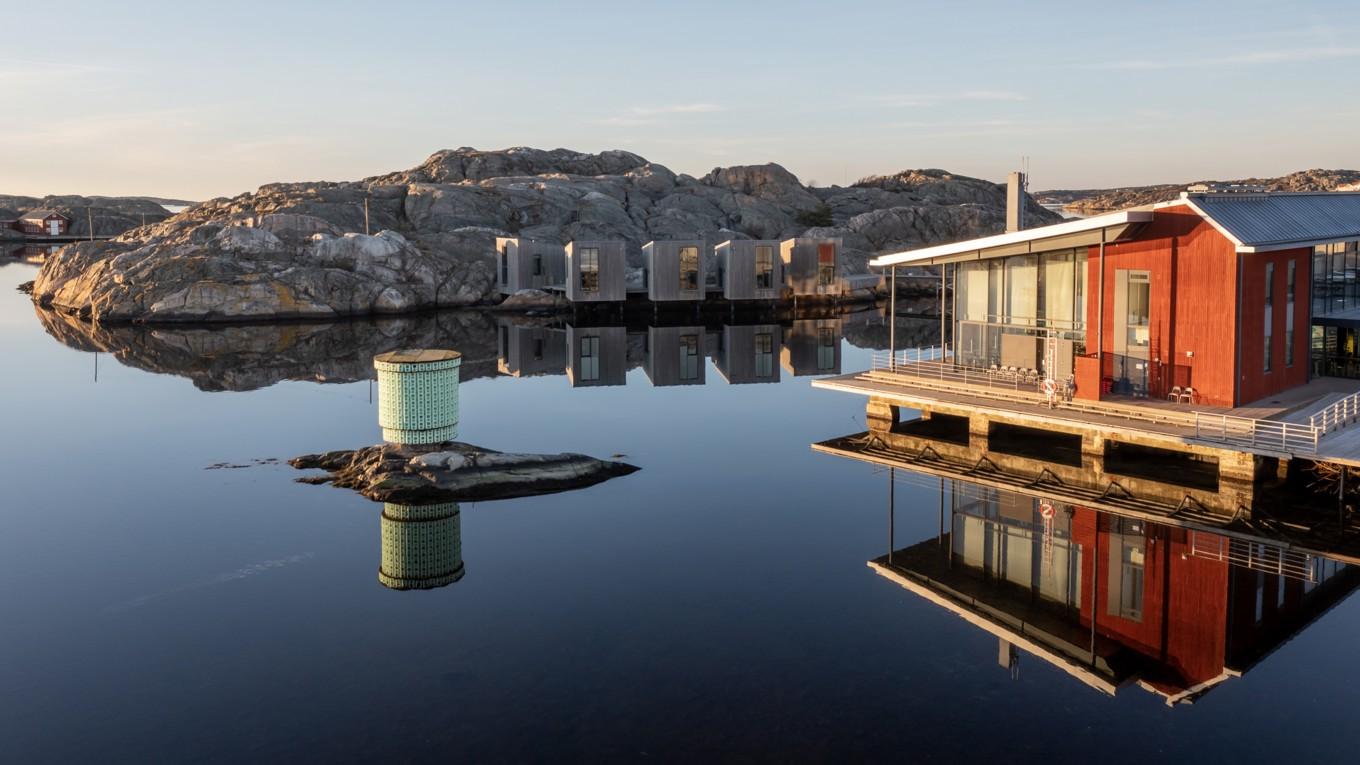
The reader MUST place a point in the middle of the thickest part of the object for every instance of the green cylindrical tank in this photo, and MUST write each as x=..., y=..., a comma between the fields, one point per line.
x=418, y=395
x=421, y=546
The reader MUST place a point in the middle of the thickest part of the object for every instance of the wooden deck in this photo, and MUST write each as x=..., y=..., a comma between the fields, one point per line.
x=1276, y=426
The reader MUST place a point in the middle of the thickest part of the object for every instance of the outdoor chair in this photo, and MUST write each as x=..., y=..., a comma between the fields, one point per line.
x=1187, y=395
x=1175, y=394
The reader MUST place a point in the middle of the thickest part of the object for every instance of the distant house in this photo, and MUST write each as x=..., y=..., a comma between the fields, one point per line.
x=812, y=347
x=597, y=356
x=595, y=271
x=746, y=353
x=811, y=265
x=528, y=264
x=674, y=269
x=675, y=355
x=43, y=222
x=531, y=350
x=750, y=269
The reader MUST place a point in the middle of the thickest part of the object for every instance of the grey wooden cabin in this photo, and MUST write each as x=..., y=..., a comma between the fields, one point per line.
x=812, y=347
x=750, y=269
x=596, y=356
x=812, y=266
x=675, y=269
x=528, y=351
x=523, y=264
x=747, y=353
x=596, y=270
x=676, y=355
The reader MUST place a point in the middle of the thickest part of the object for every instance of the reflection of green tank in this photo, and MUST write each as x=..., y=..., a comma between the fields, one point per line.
x=421, y=546
x=418, y=396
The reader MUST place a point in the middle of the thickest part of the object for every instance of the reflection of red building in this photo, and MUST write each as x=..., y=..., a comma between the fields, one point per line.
x=1175, y=610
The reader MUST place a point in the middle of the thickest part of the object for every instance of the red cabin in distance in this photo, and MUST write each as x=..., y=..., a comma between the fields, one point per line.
x=43, y=223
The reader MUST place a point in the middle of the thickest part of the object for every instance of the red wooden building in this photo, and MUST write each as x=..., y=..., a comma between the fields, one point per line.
x=1211, y=292
x=43, y=223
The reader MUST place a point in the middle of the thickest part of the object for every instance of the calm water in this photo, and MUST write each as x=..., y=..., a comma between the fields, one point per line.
x=715, y=605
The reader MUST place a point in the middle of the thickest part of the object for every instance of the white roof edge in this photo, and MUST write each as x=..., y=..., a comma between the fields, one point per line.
x=1079, y=226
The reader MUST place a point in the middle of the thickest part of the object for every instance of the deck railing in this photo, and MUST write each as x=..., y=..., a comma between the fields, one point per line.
x=933, y=368
x=1247, y=431
x=1338, y=415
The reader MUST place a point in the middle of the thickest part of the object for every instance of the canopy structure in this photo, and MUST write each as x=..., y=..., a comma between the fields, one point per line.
x=1074, y=233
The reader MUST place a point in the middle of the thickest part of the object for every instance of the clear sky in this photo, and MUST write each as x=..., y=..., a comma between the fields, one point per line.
x=204, y=99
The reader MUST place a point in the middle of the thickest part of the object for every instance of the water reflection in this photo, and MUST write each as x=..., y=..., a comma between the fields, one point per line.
x=1112, y=597
x=422, y=546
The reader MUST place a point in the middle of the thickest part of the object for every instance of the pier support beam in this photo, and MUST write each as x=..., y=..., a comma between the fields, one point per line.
x=979, y=426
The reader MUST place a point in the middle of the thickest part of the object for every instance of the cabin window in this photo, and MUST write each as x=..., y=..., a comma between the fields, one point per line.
x=1138, y=310
x=590, y=269
x=505, y=342
x=538, y=349
x=1269, y=315
x=826, y=348
x=505, y=264
x=764, y=267
x=826, y=264
x=689, y=357
x=590, y=358
x=689, y=269
x=1291, y=282
x=538, y=265
x=764, y=355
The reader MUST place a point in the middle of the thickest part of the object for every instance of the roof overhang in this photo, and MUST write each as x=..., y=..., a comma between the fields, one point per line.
x=1106, y=228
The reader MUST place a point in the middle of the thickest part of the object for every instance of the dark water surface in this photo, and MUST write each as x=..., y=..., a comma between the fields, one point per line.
x=715, y=605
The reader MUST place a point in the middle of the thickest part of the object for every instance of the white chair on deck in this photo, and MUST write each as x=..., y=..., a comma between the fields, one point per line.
x=1187, y=395
x=1175, y=394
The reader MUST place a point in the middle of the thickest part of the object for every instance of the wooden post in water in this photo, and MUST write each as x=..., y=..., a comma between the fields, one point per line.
x=89, y=220
x=892, y=510
x=1341, y=500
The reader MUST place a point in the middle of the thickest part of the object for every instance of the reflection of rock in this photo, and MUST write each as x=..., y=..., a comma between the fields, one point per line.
x=456, y=471
x=250, y=356
x=421, y=546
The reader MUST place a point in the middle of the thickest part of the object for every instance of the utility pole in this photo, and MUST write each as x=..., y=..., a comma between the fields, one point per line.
x=89, y=220
x=367, y=231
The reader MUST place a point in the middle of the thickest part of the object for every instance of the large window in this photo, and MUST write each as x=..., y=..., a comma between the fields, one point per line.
x=1269, y=315
x=689, y=357
x=764, y=355
x=1022, y=290
x=764, y=267
x=826, y=348
x=1138, y=304
x=1336, y=278
x=590, y=358
x=689, y=269
x=538, y=265
x=590, y=269
x=826, y=264
x=505, y=264
x=1290, y=283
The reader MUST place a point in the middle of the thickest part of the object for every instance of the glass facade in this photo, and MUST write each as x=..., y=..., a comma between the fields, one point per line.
x=590, y=269
x=1037, y=295
x=1336, y=289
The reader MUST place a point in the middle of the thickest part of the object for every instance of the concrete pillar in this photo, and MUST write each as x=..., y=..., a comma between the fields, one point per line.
x=1093, y=455
x=978, y=426
x=1236, y=481
x=879, y=415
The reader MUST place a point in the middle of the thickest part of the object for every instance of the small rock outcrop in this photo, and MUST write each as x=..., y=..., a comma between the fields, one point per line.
x=294, y=250
x=455, y=471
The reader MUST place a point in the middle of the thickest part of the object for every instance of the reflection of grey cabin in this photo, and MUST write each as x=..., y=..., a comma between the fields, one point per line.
x=674, y=269
x=811, y=265
x=812, y=347
x=523, y=264
x=675, y=355
x=527, y=351
x=750, y=269
x=595, y=271
x=596, y=356
x=746, y=353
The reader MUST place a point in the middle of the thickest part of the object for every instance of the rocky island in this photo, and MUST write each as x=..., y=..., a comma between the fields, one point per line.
x=423, y=238
x=1095, y=201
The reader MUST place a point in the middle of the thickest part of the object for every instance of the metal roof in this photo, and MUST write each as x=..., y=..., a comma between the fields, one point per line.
x=1005, y=244
x=1263, y=222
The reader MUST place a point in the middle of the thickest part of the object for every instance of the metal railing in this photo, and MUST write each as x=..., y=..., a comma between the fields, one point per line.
x=932, y=364
x=1257, y=556
x=1265, y=434
x=1338, y=415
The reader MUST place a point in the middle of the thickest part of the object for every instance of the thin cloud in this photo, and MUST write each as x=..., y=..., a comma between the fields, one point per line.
x=1250, y=58
x=931, y=99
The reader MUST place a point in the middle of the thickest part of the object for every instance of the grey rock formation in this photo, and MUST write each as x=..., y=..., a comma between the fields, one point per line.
x=1094, y=201
x=299, y=249
x=455, y=471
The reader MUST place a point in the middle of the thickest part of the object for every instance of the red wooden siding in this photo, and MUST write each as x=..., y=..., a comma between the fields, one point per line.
x=1256, y=383
x=1193, y=272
